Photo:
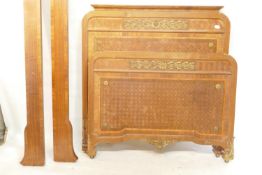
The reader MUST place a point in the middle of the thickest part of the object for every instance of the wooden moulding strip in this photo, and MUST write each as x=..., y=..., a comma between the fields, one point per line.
x=153, y=7
x=63, y=138
x=34, y=132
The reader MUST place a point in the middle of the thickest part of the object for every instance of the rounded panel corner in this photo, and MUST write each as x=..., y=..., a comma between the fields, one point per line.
x=87, y=17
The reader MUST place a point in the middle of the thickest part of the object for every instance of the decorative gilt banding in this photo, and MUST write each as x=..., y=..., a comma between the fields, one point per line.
x=155, y=24
x=168, y=65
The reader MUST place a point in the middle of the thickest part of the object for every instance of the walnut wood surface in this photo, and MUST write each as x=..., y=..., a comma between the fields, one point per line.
x=63, y=143
x=34, y=132
x=158, y=74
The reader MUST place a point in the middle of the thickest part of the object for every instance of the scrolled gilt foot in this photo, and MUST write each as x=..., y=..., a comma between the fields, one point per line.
x=227, y=154
x=218, y=150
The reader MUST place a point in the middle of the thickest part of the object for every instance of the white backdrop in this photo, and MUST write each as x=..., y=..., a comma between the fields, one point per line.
x=132, y=157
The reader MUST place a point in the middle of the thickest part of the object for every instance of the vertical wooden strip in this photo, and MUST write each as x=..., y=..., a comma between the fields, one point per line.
x=34, y=132
x=84, y=83
x=63, y=144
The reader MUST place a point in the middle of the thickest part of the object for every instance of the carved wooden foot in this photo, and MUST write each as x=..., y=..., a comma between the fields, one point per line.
x=91, y=153
x=226, y=153
x=91, y=150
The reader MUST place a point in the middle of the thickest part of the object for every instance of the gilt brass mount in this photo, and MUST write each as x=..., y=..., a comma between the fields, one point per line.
x=159, y=143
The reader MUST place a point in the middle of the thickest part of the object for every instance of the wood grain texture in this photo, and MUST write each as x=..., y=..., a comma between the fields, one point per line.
x=158, y=74
x=63, y=138
x=34, y=132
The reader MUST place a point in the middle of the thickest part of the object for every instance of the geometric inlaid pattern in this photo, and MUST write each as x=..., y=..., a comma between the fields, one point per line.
x=156, y=45
x=162, y=104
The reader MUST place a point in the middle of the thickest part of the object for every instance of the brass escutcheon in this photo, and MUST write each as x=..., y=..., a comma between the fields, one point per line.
x=218, y=86
x=106, y=83
x=210, y=44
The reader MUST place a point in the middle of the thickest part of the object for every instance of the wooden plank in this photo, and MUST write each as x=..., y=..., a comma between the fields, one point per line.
x=34, y=132
x=63, y=144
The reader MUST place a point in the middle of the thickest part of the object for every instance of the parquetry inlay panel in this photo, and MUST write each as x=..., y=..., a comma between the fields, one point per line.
x=162, y=104
x=156, y=45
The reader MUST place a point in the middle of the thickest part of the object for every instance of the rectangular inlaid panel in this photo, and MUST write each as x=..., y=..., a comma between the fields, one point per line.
x=194, y=105
x=155, y=45
x=174, y=24
x=34, y=132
